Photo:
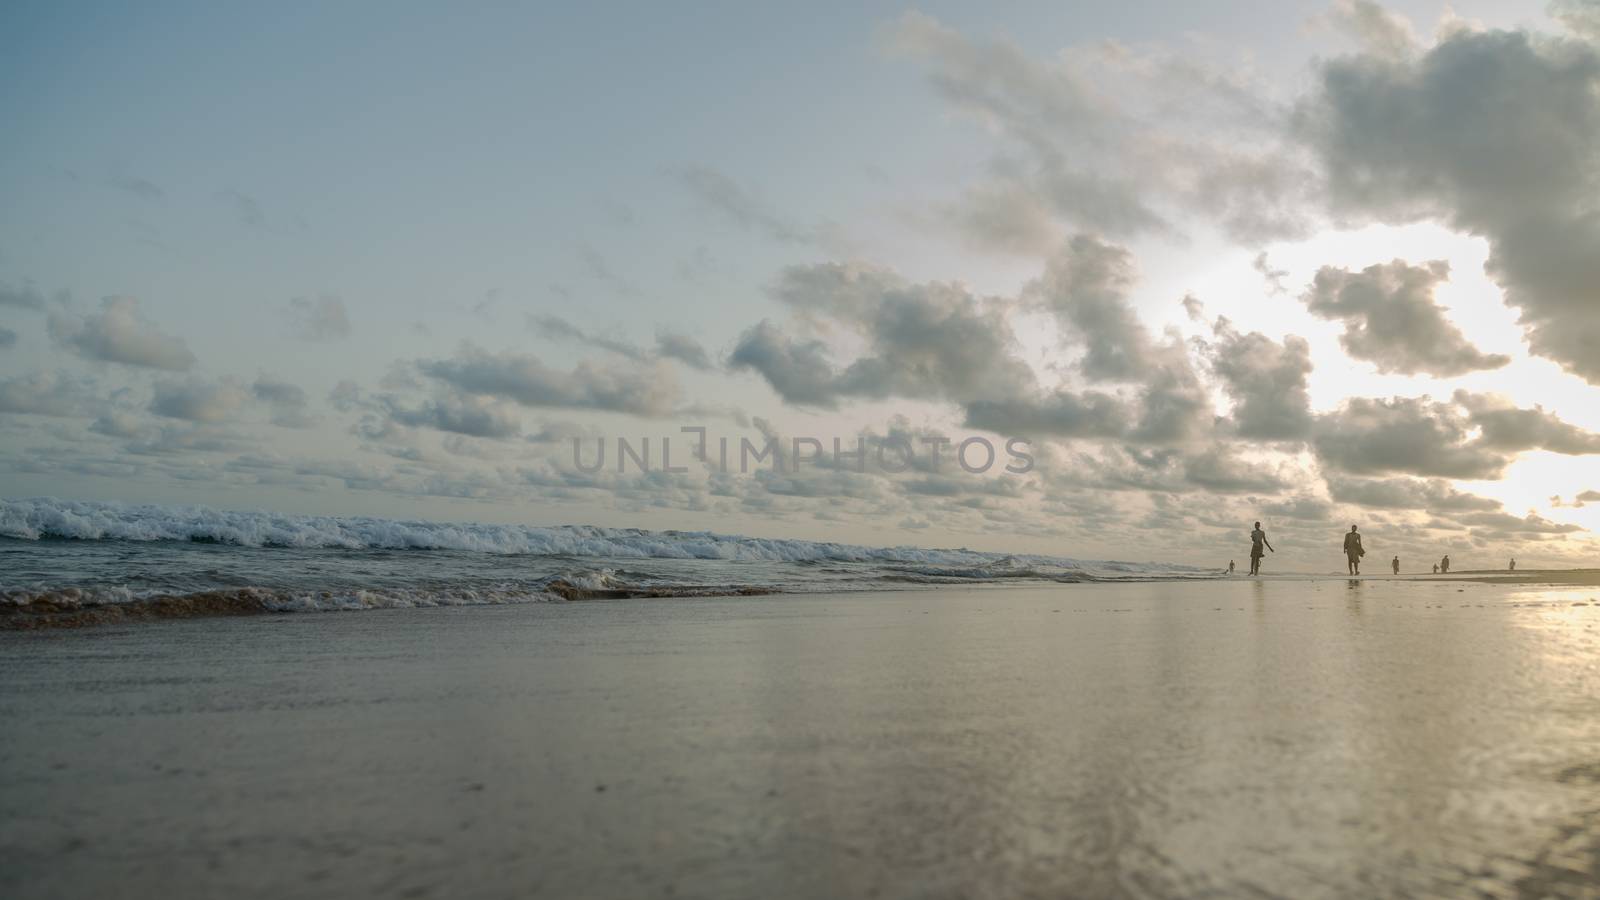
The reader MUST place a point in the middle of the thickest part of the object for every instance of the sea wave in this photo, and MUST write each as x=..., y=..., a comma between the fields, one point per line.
x=28, y=608
x=47, y=518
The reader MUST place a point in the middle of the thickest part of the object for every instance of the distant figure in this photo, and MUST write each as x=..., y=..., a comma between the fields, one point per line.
x=1395, y=564
x=1353, y=551
x=1444, y=565
x=1230, y=567
x=1435, y=568
x=1513, y=564
x=1258, y=539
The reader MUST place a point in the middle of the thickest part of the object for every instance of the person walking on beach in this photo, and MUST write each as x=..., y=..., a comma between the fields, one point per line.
x=1258, y=539
x=1230, y=567
x=1353, y=551
x=1513, y=566
x=1435, y=568
x=1396, y=565
x=1444, y=565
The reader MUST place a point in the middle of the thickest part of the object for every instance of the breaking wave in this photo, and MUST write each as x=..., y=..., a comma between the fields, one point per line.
x=40, y=519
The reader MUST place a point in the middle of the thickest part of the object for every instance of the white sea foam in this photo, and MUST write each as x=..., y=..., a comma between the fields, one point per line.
x=43, y=518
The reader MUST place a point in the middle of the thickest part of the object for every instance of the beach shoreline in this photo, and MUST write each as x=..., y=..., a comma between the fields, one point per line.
x=1285, y=737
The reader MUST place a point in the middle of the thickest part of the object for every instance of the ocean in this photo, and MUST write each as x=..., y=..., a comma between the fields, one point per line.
x=62, y=559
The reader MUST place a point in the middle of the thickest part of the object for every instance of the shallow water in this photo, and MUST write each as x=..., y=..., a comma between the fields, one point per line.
x=1157, y=739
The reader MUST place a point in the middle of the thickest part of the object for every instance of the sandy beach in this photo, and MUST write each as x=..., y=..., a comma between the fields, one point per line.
x=1276, y=738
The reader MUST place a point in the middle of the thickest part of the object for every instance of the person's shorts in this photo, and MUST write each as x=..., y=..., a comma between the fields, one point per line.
x=1257, y=553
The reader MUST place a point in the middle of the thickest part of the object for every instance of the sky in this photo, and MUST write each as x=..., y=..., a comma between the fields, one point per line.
x=1197, y=265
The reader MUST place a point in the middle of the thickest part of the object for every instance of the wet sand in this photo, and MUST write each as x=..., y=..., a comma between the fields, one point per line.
x=1235, y=738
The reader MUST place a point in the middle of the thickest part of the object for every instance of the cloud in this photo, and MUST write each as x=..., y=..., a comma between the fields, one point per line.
x=669, y=345
x=45, y=394
x=287, y=402
x=8, y=338
x=143, y=188
x=923, y=341
x=1109, y=138
x=1004, y=215
x=1273, y=277
x=119, y=334
x=1379, y=31
x=198, y=400
x=1391, y=319
x=726, y=197
x=1506, y=428
x=322, y=319
x=1266, y=380
x=1435, y=495
x=1059, y=414
x=1086, y=285
x=1502, y=525
x=1492, y=132
x=457, y=414
x=25, y=296
x=684, y=349
x=1404, y=435
x=1582, y=17
x=642, y=390
x=244, y=208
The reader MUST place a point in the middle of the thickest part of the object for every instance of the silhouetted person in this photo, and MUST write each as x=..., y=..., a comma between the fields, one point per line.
x=1353, y=551
x=1513, y=566
x=1395, y=564
x=1435, y=568
x=1444, y=565
x=1230, y=567
x=1258, y=539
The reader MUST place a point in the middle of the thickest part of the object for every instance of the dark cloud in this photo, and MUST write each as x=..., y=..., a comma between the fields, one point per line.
x=924, y=341
x=1266, y=380
x=457, y=414
x=800, y=371
x=1474, y=436
x=118, y=424
x=1502, y=525
x=1086, y=285
x=1214, y=469
x=1404, y=436
x=199, y=400
x=642, y=390
x=684, y=349
x=1221, y=470
x=287, y=402
x=321, y=319
x=1505, y=427
x=1434, y=495
x=117, y=333
x=1390, y=318
x=1494, y=133
x=1059, y=414
x=1174, y=406
x=25, y=296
